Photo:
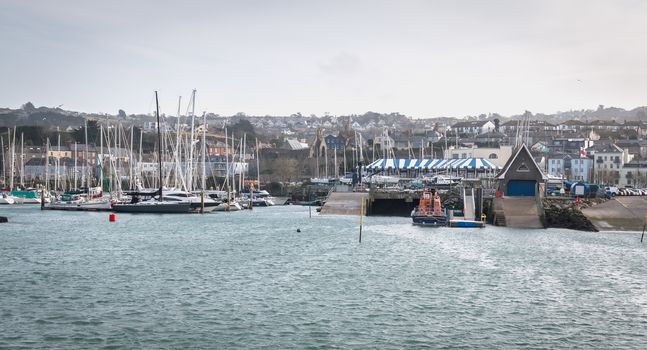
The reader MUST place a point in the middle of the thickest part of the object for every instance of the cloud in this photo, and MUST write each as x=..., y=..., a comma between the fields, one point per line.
x=343, y=64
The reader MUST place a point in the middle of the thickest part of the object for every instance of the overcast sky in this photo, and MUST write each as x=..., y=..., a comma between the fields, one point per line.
x=420, y=58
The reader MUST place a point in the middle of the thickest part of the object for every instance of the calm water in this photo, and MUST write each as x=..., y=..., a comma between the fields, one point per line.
x=249, y=280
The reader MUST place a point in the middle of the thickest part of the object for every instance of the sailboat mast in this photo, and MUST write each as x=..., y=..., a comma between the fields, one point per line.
x=335, y=163
x=344, y=160
x=58, y=163
x=4, y=167
x=233, y=157
x=13, y=155
x=361, y=149
x=159, y=143
x=190, y=169
x=326, y=161
x=258, y=166
x=99, y=158
x=110, y=160
x=85, y=157
x=75, y=157
x=130, y=156
x=139, y=162
x=117, y=149
x=204, y=151
x=178, y=166
x=226, y=158
x=244, y=153
x=47, y=165
x=317, y=159
x=22, y=159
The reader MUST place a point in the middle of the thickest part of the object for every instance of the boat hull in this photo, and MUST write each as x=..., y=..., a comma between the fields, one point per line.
x=208, y=206
x=81, y=206
x=7, y=200
x=153, y=208
x=228, y=207
x=466, y=223
x=429, y=220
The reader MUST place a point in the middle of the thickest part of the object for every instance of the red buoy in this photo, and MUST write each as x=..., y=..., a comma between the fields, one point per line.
x=112, y=217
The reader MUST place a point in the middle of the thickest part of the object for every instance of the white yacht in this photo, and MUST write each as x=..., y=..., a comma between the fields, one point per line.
x=7, y=198
x=184, y=196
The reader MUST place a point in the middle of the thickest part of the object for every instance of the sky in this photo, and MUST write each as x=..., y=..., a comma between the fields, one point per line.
x=420, y=58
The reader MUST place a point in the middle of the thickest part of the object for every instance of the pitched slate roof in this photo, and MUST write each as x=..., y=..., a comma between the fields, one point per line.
x=508, y=164
x=607, y=148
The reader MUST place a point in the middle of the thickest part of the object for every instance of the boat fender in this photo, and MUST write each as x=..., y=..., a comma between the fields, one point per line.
x=112, y=217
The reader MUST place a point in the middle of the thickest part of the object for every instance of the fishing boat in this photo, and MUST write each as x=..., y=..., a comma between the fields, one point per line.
x=429, y=211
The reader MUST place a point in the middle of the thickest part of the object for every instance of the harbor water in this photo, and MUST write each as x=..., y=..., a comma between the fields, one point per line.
x=74, y=280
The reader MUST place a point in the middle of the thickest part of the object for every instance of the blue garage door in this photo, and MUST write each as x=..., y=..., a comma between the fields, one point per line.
x=521, y=188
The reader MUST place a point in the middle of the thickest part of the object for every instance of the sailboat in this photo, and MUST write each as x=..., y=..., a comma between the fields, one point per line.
x=158, y=204
x=20, y=194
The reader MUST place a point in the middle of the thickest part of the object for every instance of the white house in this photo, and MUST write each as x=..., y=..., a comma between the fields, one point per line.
x=556, y=167
x=609, y=160
x=634, y=173
x=581, y=169
x=473, y=127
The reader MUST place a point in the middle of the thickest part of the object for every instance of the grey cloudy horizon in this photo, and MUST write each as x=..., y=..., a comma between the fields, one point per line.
x=420, y=58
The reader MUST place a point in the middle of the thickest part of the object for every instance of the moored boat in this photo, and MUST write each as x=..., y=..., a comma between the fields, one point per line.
x=7, y=198
x=29, y=196
x=429, y=211
x=153, y=206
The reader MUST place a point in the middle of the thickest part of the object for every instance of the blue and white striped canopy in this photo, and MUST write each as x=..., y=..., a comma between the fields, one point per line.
x=435, y=164
x=475, y=163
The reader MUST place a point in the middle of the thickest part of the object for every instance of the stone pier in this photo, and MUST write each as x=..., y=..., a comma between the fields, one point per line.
x=345, y=203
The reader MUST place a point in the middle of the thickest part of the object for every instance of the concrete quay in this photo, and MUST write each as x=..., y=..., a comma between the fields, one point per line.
x=345, y=203
x=618, y=214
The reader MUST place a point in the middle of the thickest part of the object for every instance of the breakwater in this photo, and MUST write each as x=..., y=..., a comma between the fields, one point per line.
x=566, y=213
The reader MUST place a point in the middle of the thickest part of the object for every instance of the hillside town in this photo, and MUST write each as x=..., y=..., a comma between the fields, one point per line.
x=295, y=148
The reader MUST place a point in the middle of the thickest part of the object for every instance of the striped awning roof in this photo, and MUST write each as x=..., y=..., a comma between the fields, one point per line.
x=475, y=163
x=435, y=164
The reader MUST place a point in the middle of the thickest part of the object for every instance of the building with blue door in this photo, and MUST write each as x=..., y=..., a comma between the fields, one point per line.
x=521, y=176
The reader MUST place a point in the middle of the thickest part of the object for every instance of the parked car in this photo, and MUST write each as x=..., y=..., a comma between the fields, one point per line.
x=612, y=191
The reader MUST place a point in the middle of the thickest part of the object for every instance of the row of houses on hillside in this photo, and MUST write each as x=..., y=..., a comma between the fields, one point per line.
x=606, y=163
x=475, y=127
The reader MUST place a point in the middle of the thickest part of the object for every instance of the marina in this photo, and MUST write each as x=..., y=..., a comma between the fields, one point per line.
x=323, y=175
x=248, y=279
